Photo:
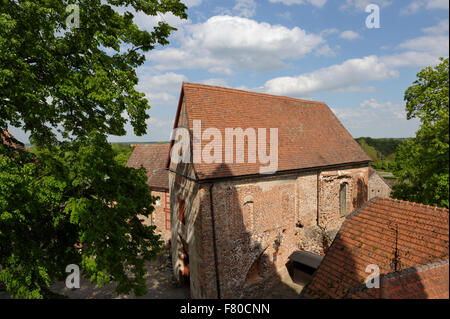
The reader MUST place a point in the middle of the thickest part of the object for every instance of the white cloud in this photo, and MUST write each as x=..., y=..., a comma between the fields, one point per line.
x=325, y=50
x=245, y=8
x=350, y=73
x=225, y=42
x=432, y=44
x=146, y=22
x=381, y=119
x=215, y=81
x=157, y=122
x=192, y=3
x=437, y=4
x=414, y=6
x=161, y=88
x=440, y=28
x=349, y=35
x=422, y=51
x=362, y=4
x=317, y=3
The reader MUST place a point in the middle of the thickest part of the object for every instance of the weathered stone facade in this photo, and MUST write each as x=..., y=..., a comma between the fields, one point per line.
x=258, y=223
x=377, y=185
x=161, y=215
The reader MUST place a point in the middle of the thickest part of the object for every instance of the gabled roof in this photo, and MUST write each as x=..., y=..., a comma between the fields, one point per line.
x=309, y=134
x=153, y=158
x=373, y=171
x=368, y=236
x=7, y=139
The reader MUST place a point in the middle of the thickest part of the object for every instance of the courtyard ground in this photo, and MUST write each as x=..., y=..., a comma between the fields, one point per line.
x=161, y=285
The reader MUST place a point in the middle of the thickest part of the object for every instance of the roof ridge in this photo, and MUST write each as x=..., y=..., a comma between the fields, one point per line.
x=220, y=88
x=414, y=204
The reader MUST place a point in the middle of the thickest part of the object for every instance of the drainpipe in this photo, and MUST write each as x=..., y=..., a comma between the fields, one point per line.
x=214, y=240
x=318, y=198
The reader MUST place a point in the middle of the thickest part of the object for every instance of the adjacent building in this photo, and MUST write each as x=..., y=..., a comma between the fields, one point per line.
x=233, y=229
x=406, y=242
x=153, y=157
x=378, y=186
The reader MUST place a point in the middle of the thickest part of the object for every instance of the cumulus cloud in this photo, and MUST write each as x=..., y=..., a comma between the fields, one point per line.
x=377, y=119
x=317, y=3
x=192, y=3
x=422, y=51
x=325, y=50
x=440, y=28
x=361, y=5
x=350, y=73
x=414, y=6
x=161, y=88
x=225, y=42
x=245, y=8
x=349, y=35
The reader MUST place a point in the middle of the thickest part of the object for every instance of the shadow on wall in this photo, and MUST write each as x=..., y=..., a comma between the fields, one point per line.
x=246, y=256
x=361, y=193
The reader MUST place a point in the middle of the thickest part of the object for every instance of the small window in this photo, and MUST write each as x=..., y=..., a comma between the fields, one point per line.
x=181, y=210
x=343, y=199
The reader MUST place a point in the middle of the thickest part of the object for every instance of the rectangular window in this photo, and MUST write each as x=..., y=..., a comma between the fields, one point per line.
x=343, y=199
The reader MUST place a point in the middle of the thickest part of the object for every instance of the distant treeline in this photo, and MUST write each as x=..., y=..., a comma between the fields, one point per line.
x=381, y=150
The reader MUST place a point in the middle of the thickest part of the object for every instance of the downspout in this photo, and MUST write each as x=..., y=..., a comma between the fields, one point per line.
x=214, y=240
x=318, y=198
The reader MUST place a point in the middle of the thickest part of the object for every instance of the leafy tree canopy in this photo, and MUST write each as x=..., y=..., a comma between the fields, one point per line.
x=70, y=202
x=423, y=161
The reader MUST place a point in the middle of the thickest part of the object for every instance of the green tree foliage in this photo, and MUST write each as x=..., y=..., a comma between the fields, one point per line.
x=70, y=192
x=122, y=153
x=422, y=163
x=381, y=150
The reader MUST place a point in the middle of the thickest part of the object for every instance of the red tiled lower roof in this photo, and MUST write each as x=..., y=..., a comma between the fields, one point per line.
x=153, y=158
x=369, y=236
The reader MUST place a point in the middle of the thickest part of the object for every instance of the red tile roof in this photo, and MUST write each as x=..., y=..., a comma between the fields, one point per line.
x=368, y=236
x=309, y=134
x=153, y=158
x=7, y=139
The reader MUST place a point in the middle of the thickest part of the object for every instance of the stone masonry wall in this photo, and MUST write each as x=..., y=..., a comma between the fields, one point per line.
x=378, y=187
x=260, y=222
x=158, y=217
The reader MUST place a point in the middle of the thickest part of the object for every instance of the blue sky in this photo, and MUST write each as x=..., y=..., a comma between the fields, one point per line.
x=313, y=49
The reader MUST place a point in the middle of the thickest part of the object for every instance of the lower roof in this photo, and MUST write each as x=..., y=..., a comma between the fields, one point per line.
x=389, y=233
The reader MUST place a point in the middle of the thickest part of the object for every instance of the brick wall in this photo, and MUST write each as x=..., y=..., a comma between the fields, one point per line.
x=160, y=214
x=259, y=222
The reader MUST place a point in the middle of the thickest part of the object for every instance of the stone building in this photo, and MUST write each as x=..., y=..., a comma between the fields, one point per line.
x=408, y=242
x=233, y=228
x=153, y=157
x=378, y=186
